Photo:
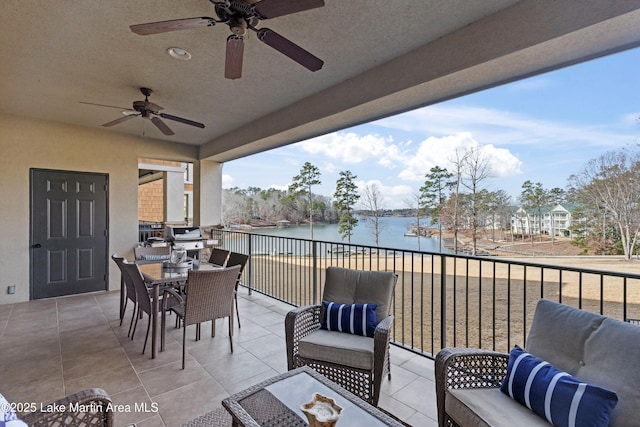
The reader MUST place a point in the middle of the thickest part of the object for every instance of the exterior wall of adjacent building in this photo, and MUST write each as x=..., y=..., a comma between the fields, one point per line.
x=555, y=221
x=27, y=144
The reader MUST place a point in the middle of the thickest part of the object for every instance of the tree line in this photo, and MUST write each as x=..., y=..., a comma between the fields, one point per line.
x=604, y=195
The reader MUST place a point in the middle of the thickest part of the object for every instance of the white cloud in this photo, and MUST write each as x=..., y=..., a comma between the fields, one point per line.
x=227, y=181
x=529, y=85
x=441, y=152
x=498, y=127
x=280, y=187
x=349, y=147
x=393, y=196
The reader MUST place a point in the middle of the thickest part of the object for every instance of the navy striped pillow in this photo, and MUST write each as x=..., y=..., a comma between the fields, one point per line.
x=357, y=319
x=561, y=399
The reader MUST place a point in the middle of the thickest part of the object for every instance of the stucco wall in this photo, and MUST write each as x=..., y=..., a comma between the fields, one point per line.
x=26, y=144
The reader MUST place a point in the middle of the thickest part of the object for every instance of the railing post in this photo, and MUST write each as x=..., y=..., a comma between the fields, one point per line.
x=443, y=301
x=314, y=255
x=250, y=267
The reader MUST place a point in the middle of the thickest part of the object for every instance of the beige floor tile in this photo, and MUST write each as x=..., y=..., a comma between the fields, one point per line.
x=236, y=367
x=46, y=356
x=132, y=406
x=89, y=339
x=185, y=403
x=93, y=363
x=171, y=376
x=112, y=381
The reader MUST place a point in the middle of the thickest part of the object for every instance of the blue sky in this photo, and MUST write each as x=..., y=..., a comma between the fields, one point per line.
x=541, y=129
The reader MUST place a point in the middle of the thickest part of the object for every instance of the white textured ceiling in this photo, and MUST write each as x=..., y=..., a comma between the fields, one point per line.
x=380, y=57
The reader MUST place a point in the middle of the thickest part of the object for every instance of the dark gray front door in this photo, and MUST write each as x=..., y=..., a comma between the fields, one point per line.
x=68, y=233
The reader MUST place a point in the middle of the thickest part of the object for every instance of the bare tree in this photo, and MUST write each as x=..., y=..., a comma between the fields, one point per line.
x=372, y=211
x=475, y=169
x=611, y=184
x=414, y=205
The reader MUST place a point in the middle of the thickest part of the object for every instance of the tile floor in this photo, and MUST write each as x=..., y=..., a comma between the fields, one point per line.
x=55, y=347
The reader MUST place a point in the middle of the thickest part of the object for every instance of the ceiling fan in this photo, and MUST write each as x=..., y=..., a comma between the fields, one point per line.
x=241, y=15
x=147, y=110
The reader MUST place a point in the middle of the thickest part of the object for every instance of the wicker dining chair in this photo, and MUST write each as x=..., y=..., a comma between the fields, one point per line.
x=129, y=290
x=357, y=363
x=236, y=258
x=209, y=297
x=143, y=299
x=219, y=256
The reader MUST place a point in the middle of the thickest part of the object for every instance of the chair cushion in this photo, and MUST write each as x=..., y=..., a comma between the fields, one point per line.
x=555, y=395
x=488, y=407
x=347, y=286
x=338, y=348
x=358, y=319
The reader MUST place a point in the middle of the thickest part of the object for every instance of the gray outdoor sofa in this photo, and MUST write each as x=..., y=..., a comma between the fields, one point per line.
x=592, y=348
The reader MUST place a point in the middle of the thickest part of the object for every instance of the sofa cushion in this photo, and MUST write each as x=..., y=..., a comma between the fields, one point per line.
x=555, y=395
x=358, y=319
x=347, y=286
x=338, y=348
x=593, y=348
x=611, y=361
x=484, y=407
x=559, y=332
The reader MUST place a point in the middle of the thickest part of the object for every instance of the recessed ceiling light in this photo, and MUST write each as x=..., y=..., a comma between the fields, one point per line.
x=179, y=53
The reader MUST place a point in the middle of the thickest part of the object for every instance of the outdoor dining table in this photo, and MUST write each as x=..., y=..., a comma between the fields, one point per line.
x=156, y=276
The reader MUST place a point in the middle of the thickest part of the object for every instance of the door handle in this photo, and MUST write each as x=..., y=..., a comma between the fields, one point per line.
x=36, y=246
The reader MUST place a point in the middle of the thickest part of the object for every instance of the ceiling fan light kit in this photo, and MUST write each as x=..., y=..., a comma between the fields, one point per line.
x=148, y=110
x=240, y=16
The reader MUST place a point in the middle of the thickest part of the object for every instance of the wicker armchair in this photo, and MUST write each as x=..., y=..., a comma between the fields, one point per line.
x=355, y=362
x=209, y=296
x=592, y=348
x=91, y=409
x=460, y=368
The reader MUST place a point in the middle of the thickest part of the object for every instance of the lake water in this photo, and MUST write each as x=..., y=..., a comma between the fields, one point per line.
x=392, y=234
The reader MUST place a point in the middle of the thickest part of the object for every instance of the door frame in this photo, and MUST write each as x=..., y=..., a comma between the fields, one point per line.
x=32, y=171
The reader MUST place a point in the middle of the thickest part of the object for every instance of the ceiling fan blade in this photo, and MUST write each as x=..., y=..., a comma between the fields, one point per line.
x=162, y=126
x=103, y=105
x=120, y=120
x=181, y=120
x=172, y=25
x=273, y=8
x=234, y=56
x=290, y=49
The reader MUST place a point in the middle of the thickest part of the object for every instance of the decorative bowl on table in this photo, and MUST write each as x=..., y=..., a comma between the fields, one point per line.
x=322, y=411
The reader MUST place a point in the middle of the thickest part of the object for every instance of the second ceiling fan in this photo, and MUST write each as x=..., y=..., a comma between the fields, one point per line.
x=241, y=15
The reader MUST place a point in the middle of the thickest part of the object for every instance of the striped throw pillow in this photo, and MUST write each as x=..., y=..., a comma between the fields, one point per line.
x=561, y=399
x=357, y=319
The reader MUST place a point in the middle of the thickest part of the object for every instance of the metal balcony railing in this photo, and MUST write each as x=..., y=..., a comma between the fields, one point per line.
x=441, y=300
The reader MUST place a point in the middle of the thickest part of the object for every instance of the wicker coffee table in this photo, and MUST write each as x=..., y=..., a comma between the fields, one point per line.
x=276, y=402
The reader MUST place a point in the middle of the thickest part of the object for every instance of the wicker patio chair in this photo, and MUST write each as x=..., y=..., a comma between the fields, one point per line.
x=357, y=363
x=218, y=256
x=129, y=290
x=236, y=258
x=209, y=296
x=87, y=408
x=143, y=298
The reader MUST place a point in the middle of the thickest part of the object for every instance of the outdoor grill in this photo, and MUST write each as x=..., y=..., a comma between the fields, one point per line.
x=187, y=238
